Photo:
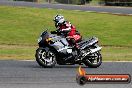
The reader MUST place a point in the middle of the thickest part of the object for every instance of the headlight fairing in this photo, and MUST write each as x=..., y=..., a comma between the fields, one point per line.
x=39, y=39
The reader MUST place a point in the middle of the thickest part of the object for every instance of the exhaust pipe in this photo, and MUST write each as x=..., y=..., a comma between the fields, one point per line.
x=95, y=50
x=92, y=51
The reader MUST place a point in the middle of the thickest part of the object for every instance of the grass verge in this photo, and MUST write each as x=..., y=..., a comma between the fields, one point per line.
x=15, y=52
x=21, y=26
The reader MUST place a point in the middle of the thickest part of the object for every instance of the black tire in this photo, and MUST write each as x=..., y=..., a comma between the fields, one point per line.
x=88, y=60
x=42, y=57
x=81, y=80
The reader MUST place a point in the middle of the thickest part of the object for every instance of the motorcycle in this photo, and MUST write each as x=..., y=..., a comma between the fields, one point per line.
x=55, y=49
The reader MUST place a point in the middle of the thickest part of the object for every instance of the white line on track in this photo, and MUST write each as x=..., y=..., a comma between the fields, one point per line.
x=90, y=11
x=104, y=12
x=117, y=13
x=77, y=10
x=130, y=14
x=117, y=61
x=102, y=61
x=26, y=60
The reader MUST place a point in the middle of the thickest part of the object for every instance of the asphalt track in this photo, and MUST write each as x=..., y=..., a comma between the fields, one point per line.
x=28, y=74
x=103, y=9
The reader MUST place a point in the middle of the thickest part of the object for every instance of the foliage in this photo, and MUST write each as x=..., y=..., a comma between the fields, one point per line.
x=71, y=1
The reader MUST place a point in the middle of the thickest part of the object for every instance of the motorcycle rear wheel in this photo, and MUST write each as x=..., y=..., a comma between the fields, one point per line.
x=90, y=60
x=45, y=58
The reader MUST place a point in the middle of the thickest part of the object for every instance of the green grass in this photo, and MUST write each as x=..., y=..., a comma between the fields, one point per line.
x=14, y=52
x=117, y=53
x=22, y=25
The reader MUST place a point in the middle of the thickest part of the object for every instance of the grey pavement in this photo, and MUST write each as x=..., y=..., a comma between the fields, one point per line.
x=28, y=74
x=127, y=10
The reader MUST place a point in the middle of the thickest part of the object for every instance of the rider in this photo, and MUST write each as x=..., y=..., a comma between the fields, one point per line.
x=67, y=28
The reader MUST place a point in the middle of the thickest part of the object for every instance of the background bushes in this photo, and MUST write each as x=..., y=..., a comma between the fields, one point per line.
x=117, y=2
x=27, y=0
x=78, y=2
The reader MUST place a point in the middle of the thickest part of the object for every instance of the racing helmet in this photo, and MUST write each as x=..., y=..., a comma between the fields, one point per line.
x=59, y=19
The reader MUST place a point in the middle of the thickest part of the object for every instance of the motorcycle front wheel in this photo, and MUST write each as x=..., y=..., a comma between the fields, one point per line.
x=93, y=60
x=45, y=58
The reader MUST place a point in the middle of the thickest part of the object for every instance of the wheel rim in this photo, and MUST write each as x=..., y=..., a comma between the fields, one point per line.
x=46, y=58
x=94, y=58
